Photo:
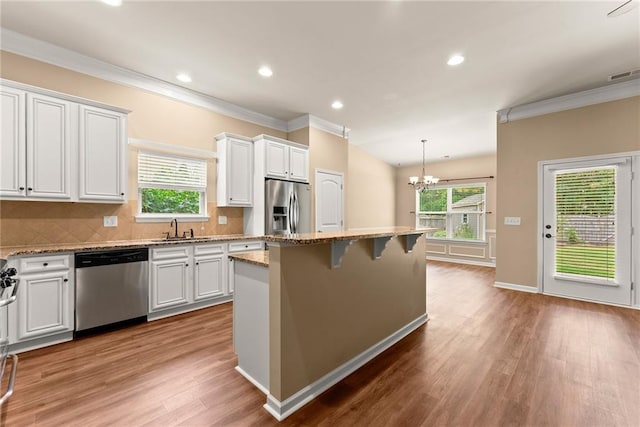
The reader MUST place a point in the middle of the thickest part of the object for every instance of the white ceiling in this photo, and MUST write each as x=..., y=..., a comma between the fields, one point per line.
x=385, y=60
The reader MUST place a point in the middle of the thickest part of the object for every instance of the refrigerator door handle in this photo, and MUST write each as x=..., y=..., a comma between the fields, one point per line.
x=296, y=214
x=290, y=213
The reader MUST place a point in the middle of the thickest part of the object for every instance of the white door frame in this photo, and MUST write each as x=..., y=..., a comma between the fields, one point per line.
x=315, y=194
x=635, y=217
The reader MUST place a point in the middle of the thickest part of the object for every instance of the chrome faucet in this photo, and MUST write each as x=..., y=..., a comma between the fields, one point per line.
x=174, y=220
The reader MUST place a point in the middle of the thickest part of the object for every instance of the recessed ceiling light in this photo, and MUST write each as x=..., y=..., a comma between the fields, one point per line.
x=456, y=60
x=185, y=78
x=114, y=3
x=336, y=105
x=265, y=71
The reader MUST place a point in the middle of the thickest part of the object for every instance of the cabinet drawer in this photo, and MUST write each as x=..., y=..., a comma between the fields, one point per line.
x=44, y=263
x=246, y=246
x=212, y=249
x=170, y=252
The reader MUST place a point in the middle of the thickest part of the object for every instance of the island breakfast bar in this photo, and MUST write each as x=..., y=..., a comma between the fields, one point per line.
x=315, y=307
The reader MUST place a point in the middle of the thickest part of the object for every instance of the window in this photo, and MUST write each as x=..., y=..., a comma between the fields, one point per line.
x=453, y=212
x=171, y=186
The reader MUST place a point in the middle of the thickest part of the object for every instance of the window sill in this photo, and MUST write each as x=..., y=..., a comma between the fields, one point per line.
x=168, y=218
x=442, y=239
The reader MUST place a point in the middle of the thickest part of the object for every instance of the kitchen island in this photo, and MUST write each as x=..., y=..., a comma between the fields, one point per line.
x=316, y=307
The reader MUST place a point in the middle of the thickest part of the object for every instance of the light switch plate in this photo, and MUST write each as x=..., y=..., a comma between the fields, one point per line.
x=222, y=220
x=110, y=221
x=511, y=220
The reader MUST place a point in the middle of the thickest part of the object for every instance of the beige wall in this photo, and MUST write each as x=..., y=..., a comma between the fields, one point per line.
x=321, y=318
x=611, y=127
x=153, y=117
x=372, y=191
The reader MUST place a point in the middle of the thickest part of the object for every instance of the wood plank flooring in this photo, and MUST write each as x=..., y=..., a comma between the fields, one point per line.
x=487, y=357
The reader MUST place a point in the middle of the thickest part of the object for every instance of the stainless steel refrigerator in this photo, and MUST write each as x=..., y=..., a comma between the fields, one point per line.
x=287, y=207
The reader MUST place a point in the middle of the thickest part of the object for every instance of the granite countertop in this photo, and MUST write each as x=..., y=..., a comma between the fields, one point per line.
x=260, y=258
x=315, y=238
x=7, y=251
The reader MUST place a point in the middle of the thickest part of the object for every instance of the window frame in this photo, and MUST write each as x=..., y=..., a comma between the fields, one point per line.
x=448, y=214
x=202, y=216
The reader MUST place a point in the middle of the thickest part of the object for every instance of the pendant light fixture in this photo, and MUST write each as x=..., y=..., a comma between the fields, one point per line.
x=426, y=181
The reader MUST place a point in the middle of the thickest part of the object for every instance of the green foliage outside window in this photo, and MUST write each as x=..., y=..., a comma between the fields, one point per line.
x=157, y=200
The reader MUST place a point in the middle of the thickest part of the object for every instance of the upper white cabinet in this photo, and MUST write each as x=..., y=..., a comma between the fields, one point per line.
x=101, y=156
x=48, y=147
x=13, y=160
x=235, y=170
x=56, y=147
x=283, y=159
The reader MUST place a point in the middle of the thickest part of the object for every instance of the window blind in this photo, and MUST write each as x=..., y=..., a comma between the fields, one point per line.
x=586, y=222
x=168, y=171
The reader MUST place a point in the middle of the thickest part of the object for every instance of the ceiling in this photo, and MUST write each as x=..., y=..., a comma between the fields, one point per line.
x=386, y=61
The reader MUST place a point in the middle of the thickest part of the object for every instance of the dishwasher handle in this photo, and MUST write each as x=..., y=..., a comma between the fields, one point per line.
x=95, y=259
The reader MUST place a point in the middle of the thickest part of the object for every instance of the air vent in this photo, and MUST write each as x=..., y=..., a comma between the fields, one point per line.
x=625, y=75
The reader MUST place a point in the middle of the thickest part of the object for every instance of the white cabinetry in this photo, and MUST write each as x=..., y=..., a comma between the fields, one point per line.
x=235, y=170
x=170, y=277
x=13, y=159
x=57, y=147
x=101, y=156
x=187, y=277
x=285, y=161
x=43, y=311
x=236, y=247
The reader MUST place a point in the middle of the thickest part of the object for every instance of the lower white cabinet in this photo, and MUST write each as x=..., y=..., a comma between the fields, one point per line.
x=237, y=247
x=187, y=274
x=45, y=299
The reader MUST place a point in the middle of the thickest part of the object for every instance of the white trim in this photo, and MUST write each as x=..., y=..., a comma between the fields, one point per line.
x=60, y=95
x=311, y=121
x=52, y=54
x=225, y=135
x=514, y=287
x=599, y=95
x=186, y=308
x=162, y=147
x=483, y=256
x=278, y=140
x=281, y=410
x=461, y=261
x=252, y=380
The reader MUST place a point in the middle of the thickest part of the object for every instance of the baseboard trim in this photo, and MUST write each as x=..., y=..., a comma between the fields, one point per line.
x=33, y=344
x=462, y=261
x=633, y=307
x=281, y=410
x=252, y=380
x=188, y=307
x=514, y=287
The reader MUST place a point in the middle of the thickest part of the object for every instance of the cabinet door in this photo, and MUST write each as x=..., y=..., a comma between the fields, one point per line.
x=240, y=173
x=299, y=164
x=12, y=144
x=44, y=306
x=48, y=147
x=208, y=277
x=101, y=155
x=169, y=283
x=277, y=160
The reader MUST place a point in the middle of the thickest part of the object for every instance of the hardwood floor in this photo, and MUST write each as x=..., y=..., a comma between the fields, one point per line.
x=486, y=357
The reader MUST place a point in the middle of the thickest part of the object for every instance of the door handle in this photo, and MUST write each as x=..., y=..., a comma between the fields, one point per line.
x=548, y=235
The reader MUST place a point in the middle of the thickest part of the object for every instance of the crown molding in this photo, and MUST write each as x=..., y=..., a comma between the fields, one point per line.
x=599, y=95
x=309, y=120
x=46, y=52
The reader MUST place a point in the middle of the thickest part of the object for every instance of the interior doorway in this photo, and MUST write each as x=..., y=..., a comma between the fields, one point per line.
x=329, y=201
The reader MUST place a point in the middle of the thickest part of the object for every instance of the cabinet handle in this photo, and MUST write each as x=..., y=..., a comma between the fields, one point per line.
x=122, y=194
x=65, y=280
x=45, y=264
x=29, y=189
x=21, y=188
x=187, y=265
x=197, y=263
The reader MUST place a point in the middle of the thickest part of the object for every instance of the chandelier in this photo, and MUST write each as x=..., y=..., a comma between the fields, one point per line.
x=427, y=180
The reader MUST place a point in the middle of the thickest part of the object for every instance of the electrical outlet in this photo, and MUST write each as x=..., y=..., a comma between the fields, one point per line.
x=222, y=220
x=511, y=220
x=110, y=221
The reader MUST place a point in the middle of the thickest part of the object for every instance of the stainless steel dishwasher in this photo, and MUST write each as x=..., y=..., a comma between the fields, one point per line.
x=111, y=286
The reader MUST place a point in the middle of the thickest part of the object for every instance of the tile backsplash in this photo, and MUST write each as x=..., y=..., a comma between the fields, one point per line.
x=42, y=223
